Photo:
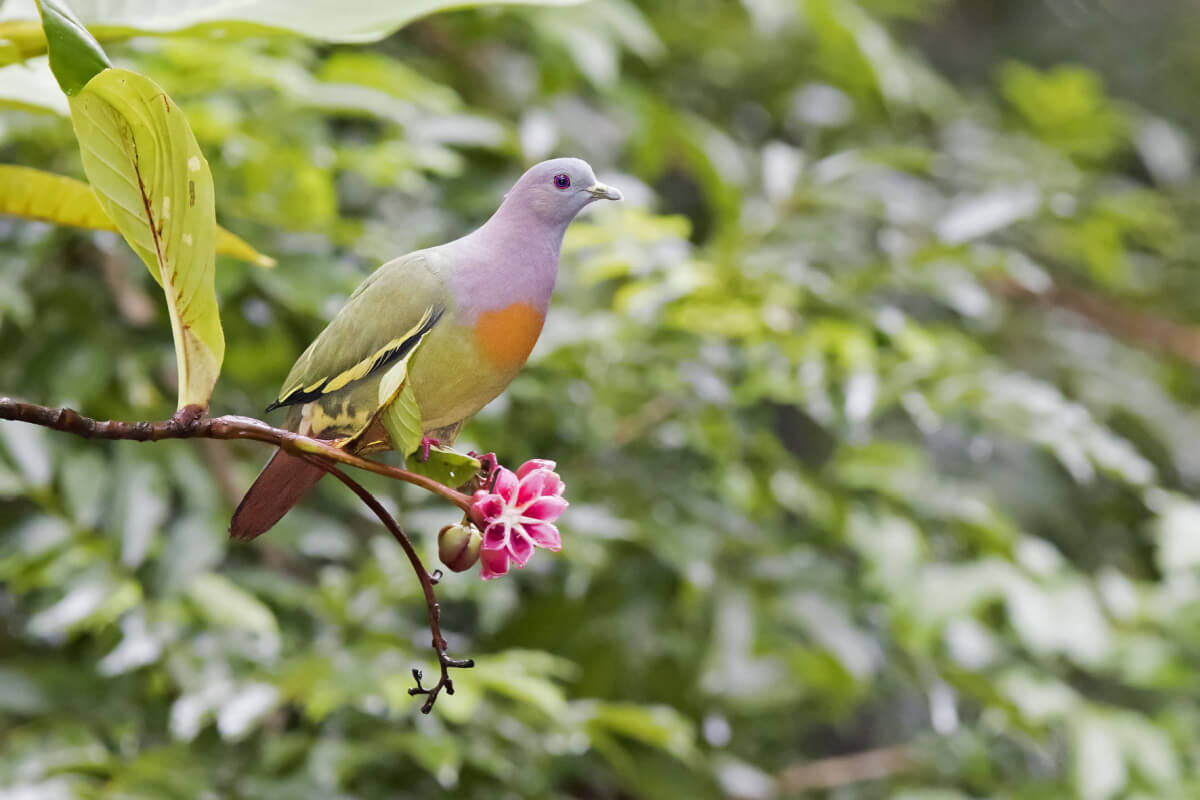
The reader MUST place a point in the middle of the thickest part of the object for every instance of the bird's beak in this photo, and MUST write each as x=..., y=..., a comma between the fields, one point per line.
x=602, y=192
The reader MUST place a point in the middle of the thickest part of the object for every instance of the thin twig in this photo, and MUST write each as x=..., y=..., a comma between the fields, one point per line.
x=427, y=582
x=1149, y=330
x=829, y=773
x=644, y=419
x=191, y=422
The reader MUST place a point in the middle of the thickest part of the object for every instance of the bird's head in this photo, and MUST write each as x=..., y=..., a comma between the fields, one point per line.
x=558, y=189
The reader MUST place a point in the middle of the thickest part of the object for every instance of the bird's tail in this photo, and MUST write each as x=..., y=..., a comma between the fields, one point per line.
x=281, y=484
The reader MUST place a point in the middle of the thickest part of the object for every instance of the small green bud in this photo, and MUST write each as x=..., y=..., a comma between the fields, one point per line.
x=458, y=546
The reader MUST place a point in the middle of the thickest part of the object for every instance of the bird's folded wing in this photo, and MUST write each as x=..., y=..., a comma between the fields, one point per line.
x=383, y=320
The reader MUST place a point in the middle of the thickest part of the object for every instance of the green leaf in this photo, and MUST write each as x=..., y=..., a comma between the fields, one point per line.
x=152, y=180
x=1067, y=107
x=363, y=21
x=401, y=416
x=34, y=194
x=446, y=466
x=657, y=726
x=527, y=678
x=223, y=602
x=75, y=55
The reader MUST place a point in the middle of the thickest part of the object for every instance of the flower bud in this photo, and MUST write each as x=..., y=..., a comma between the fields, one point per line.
x=458, y=546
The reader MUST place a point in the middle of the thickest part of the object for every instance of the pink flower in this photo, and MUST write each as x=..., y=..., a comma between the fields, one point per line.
x=518, y=515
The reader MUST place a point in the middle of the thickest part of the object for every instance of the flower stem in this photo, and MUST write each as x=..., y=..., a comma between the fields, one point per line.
x=427, y=581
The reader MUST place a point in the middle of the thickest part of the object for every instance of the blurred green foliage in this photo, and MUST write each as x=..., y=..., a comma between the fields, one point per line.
x=836, y=485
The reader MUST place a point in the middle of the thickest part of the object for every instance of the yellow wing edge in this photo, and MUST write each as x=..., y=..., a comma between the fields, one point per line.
x=394, y=349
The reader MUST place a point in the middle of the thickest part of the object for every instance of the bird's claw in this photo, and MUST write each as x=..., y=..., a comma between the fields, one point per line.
x=488, y=463
x=427, y=442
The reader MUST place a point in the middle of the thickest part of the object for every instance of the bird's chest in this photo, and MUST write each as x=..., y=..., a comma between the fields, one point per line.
x=462, y=367
x=505, y=336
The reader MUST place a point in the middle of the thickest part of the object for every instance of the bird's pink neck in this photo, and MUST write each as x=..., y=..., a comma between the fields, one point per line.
x=513, y=258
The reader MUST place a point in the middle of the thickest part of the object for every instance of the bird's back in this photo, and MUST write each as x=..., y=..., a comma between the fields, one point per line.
x=333, y=386
x=473, y=339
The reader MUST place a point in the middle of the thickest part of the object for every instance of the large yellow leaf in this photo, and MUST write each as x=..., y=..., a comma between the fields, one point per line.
x=152, y=180
x=34, y=194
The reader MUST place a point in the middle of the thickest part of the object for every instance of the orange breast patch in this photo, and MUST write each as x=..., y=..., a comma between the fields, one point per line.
x=506, y=336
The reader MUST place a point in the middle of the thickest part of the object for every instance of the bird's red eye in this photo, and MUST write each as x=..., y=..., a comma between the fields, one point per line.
x=562, y=180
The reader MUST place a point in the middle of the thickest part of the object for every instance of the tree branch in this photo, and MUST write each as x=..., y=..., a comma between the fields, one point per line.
x=191, y=422
x=1146, y=330
x=427, y=582
x=829, y=773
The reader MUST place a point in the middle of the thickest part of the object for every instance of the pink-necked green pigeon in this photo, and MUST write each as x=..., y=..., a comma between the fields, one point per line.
x=475, y=306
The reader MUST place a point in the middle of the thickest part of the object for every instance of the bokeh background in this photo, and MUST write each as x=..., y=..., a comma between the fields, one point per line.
x=875, y=402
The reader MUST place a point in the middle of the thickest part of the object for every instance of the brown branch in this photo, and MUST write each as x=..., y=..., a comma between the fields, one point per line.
x=427, y=583
x=829, y=773
x=1145, y=330
x=644, y=419
x=191, y=422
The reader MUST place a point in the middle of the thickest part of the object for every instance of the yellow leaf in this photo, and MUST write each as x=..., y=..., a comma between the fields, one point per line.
x=24, y=37
x=234, y=246
x=33, y=194
x=151, y=179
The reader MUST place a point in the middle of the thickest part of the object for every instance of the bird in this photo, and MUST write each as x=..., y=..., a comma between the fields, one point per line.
x=467, y=315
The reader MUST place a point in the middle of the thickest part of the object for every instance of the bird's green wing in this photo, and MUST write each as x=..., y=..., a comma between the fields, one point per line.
x=383, y=320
